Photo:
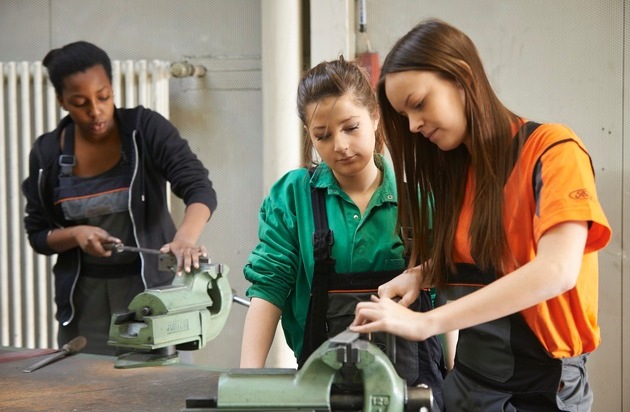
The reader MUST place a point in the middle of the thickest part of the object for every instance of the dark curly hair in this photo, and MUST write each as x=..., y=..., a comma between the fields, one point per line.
x=73, y=58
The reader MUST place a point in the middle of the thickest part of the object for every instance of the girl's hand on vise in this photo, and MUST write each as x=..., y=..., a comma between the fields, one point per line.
x=186, y=253
x=385, y=315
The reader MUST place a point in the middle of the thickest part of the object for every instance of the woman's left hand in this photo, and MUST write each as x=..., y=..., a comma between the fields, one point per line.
x=187, y=254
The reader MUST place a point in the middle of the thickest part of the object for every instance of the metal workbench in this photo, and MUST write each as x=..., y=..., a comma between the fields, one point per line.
x=84, y=382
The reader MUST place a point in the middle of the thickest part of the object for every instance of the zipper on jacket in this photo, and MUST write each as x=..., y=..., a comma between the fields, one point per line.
x=74, y=284
x=40, y=185
x=133, y=222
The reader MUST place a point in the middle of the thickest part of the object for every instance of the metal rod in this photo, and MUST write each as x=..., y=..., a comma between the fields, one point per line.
x=240, y=300
x=119, y=247
x=14, y=257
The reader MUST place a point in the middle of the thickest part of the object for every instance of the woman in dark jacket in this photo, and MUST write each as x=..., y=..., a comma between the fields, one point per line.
x=100, y=177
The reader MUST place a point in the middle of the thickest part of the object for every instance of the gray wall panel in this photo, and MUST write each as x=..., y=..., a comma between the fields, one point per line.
x=24, y=30
x=170, y=30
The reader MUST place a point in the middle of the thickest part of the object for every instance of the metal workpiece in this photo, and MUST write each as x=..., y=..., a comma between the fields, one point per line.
x=241, y=301
x=345, y=373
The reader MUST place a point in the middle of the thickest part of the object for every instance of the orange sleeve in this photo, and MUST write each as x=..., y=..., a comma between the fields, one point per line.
x=566, y=192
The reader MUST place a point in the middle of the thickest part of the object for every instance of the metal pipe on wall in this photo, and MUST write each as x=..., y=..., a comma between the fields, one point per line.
x=281, y=42
x=43, y=316
x=4, y=247
x=186, y=69
x=26, y=260
x=281, y=62
x=15, y=274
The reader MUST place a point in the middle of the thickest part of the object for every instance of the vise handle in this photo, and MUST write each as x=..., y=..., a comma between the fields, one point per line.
x=120, y=247
x=166, y=261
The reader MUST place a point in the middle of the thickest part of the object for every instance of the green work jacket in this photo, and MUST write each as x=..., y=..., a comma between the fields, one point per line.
x=280, y=268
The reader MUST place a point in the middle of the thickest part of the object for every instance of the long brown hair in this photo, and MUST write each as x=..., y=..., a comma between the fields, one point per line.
x=335, y=79
x=438, y=178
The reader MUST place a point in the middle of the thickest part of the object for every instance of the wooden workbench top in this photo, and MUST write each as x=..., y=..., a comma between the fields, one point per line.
x=84, y=382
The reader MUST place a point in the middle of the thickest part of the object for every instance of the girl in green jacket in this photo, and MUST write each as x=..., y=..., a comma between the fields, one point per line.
x=338, y=108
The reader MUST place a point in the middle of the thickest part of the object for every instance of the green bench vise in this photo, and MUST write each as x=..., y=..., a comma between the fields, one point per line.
x=345, y=373
x=181, y=316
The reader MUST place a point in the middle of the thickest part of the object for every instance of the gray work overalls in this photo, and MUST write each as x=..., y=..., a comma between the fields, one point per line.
x=105, y=285
x=502, y=366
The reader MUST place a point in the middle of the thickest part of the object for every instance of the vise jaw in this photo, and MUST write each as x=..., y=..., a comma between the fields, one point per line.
x=344, y=373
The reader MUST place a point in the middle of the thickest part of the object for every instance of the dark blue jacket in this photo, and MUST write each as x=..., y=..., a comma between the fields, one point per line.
x=159, y=154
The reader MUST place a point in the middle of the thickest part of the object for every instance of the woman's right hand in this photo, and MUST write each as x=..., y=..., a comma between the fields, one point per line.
x=405, y=286
x=91, y=238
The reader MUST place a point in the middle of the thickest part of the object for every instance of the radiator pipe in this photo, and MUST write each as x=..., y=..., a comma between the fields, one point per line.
x=185, y=69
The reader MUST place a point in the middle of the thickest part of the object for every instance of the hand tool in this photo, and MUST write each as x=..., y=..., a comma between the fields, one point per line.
x=30, y=353
x=166, y=261
x=120, y=247
x=70, y=348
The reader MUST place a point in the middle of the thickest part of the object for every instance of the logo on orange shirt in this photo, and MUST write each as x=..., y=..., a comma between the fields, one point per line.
x=580, y=194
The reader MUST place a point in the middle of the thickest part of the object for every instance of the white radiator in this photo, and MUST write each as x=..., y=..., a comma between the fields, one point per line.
x=29, y=108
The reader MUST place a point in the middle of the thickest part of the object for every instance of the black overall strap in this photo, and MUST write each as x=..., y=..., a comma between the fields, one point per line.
x=67, y=160
x=527, y=129
x=323, y=239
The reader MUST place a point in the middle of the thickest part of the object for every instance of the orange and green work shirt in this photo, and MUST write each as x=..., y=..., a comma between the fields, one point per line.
x=552, y=182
